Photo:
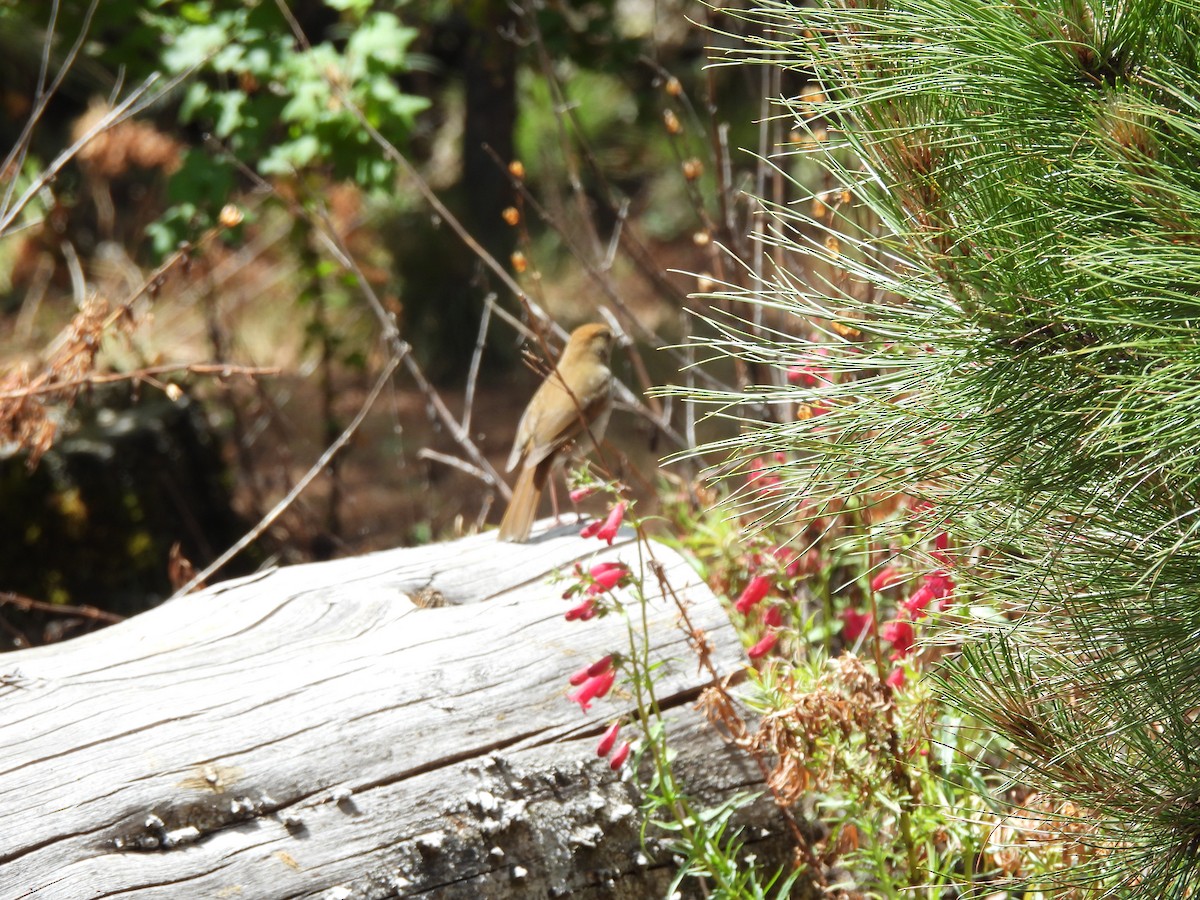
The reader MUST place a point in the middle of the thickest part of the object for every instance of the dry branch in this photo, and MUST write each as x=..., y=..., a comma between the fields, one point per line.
x=313, y=732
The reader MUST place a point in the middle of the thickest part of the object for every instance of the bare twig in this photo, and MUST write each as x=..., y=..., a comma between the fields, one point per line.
x=143, y=374
x=564, y=110
x=614, y=240
x=393, y=154
x=78, y=282
x=319, y=466
x=700, y=645
x=689, y=352
x=16, y=156
x=28, y=604
x=614, y=297
x=138, y=99
x=454, y=462
x=461, y=435
x=613, y=201
x=476, y=358
x=333, y=242
x=401, y=161
x=44, y=69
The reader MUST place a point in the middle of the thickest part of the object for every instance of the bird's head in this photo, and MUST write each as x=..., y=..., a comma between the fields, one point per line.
x=595, y=339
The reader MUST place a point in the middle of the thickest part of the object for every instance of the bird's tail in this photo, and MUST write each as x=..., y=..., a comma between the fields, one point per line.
x=518, y=518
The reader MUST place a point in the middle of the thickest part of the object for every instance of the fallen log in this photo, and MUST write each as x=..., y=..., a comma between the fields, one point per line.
x=314, y=732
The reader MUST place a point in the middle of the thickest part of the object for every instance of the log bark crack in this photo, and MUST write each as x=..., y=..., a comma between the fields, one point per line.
x=309, y=732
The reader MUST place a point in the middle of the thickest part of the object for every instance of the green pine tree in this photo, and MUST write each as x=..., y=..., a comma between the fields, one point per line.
x=1015, y=342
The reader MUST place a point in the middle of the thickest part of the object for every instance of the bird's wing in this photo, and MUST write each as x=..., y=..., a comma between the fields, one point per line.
x=562, y=423
x=525, y=429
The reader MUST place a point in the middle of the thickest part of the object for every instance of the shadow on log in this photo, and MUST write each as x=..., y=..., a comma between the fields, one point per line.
x=313, y=732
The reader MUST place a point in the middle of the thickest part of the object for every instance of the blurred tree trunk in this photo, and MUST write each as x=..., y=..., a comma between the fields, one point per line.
x=490, y=73
x=443, y=296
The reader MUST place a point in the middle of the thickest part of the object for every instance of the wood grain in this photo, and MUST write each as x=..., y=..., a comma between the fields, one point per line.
x=310, y=732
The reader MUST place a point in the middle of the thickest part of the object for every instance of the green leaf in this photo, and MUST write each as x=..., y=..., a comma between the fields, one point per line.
x=229, y=105
x=195, y=13
x=195, y=98
x=191, y=48
x=231, y=58
x=289, y=156
x=379, y=45
x=308, y=104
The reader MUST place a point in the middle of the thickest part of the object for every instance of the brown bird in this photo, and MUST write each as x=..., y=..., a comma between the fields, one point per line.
x=567, y=414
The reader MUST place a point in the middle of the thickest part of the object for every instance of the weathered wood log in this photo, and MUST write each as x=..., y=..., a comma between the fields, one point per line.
x=311, y=732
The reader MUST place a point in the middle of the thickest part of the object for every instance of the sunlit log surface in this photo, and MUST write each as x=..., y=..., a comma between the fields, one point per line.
x=312, y=732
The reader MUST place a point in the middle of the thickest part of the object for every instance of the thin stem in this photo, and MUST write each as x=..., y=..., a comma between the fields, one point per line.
x=319, y=466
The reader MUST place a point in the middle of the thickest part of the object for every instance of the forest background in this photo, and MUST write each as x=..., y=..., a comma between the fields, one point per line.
x=580, y=158
x=276, y=264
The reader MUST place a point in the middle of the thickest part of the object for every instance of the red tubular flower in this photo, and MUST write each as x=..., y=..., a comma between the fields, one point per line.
x=603, y=568
x=897, y=678
x=600, y=666
x=854, y=623
x=754, y=592
x=885, y=579
x=619, y=757
x=606, y=530
x=918, y=601
x=772, y=617
x=808, y=376
x=606, y=576
x=940, y=584
x=942, y=541
x=594, y=687
x=581, y=493
x=900, y=634
x=582, y=611
x=763, y=647
x=609, y=738
x=788, y=558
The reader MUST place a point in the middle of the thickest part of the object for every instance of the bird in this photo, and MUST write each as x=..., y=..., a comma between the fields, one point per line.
x=566, y=416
